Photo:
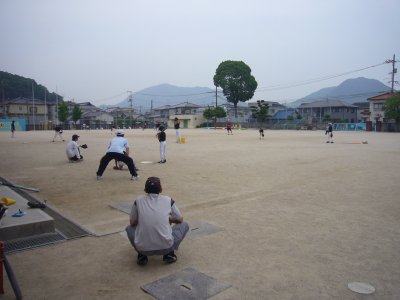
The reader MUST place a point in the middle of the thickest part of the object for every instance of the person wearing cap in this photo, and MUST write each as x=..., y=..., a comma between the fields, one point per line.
x=116, y=149
x=177, y=130
x=162, y=138
x=72, y=150
x=58, y=132
x=150, y=231
x=329, y=133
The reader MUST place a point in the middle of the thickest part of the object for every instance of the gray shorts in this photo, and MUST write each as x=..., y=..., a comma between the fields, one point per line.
x=179, y=232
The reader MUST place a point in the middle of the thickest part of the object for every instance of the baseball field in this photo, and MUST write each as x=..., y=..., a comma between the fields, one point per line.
x=298, y=218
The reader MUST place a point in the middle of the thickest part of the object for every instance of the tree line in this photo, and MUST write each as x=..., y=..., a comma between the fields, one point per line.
x=14, y=86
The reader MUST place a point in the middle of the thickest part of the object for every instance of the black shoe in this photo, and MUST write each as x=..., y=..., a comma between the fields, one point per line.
x=160, y=162
x=170, y=257
x=164, y=161
x=36, y=205
x=142, y=260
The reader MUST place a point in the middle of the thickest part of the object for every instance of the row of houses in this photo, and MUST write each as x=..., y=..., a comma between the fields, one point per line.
x=42, y=115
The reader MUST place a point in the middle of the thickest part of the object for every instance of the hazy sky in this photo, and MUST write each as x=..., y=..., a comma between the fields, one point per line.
x=93, y=50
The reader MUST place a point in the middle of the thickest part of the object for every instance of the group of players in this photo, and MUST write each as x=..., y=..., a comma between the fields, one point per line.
x=118, y=149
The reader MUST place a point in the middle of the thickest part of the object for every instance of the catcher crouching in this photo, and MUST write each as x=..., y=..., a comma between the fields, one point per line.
x=73, y=153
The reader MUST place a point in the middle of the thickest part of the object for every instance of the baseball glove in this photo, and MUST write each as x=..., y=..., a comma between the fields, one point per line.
x=84, y=146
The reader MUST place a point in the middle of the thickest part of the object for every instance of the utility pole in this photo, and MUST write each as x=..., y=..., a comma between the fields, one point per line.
x=33, y=108
x=394, y=71
x=45, y=109
x=56, y=106
x=216, y=105
x=131, y=104
x=216, y=97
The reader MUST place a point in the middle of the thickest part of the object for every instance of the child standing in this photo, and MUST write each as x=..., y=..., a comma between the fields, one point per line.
x=329, y=133
x=162, y=138
x=12, y=128
x=261, y=131
x=229, y=127
x=177, y=130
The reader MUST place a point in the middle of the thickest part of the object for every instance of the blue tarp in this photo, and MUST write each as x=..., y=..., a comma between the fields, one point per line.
x=5, y=124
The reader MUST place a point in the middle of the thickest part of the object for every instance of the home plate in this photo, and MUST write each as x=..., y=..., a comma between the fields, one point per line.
x=361, y=287
x=146, y=162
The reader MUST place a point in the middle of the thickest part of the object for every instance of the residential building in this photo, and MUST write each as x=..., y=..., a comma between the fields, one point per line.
x=273, y=108
x=37, y=113
x=191, y=115
x=376, y=107
x=362, y=111
x=243, y=112
x=339, y=111
x=96, y=119
x=283, y=115
x=92, y=116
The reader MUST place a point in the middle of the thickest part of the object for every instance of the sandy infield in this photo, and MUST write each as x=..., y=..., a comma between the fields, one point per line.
x=301, y=218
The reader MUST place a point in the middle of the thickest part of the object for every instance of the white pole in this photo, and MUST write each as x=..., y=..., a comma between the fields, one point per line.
x=45, y=108
x=33, y=108
x=56, y=106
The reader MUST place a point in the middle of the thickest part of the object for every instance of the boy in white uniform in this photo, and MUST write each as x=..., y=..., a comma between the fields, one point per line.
x=72, y=150
x=150, y=232
x=329, y=132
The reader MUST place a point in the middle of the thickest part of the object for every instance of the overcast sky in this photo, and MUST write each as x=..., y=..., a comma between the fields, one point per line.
x=93, y=50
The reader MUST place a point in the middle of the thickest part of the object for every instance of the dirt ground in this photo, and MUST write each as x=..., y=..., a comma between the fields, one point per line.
x=300, y=218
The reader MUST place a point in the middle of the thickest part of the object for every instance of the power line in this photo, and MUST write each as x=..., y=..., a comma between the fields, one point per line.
x=179, y=95
x=111, y=97
x=268, y=88
x=314, y=80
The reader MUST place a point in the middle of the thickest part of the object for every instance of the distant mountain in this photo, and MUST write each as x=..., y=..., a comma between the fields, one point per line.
x=167, y=94
x=350, y=91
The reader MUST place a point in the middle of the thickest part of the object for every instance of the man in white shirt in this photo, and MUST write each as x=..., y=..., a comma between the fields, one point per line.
x=116, y=149
x=72, y=150
x=150, y=232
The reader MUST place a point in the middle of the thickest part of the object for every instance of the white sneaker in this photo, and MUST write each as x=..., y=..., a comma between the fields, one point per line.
x=135, y=178
x=98, y=177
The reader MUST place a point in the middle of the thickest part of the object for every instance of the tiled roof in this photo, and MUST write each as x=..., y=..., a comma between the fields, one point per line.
x=180, y=105
x=383, y=96
x=326, y=103
x=21, y=100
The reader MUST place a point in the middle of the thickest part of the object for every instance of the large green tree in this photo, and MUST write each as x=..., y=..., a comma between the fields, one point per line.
x=214, y=113
x=261, y=111
x=76, y=113
x=236, y=81
x=62, y=112
x=391, y=108
x=208, y=114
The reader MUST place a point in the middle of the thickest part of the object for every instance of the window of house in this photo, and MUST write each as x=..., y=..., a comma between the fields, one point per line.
x=31, y=109
x=378, y=106
x=20, y=108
